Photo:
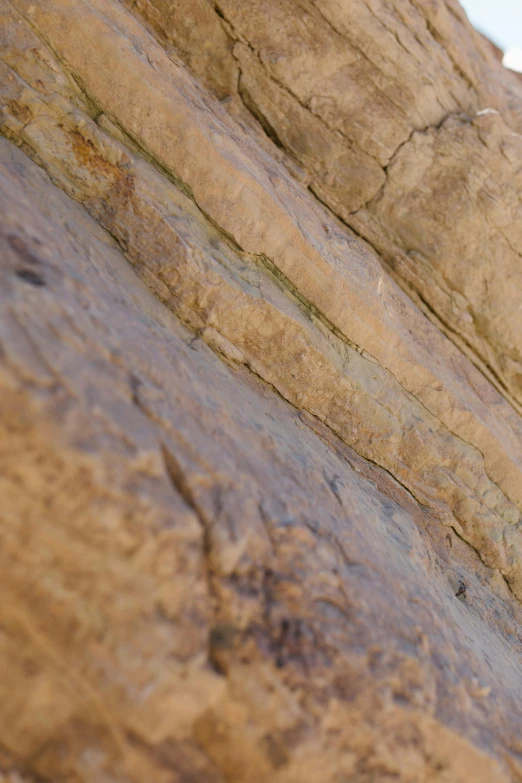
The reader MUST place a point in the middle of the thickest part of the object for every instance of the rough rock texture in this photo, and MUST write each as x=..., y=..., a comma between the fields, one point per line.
x=388, y=106
x=244, y=477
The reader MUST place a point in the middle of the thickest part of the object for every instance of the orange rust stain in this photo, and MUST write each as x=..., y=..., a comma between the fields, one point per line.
x=87, y=155
x=21, y=112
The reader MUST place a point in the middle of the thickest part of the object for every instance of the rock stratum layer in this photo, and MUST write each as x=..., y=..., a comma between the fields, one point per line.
x=260, y=394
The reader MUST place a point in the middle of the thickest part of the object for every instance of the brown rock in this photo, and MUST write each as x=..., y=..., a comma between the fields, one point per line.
x=351, y=89
x=260, y=517
x=199, y=580
x=462, y=250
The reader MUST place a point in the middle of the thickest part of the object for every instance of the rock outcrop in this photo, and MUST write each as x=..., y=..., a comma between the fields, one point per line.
x=260, y=394
x=400, y=116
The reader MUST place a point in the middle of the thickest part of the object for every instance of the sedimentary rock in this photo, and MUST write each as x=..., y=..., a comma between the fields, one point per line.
x=261, y=516
x=409, y=129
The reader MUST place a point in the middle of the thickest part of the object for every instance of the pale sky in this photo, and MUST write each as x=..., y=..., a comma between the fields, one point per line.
x=500, y=20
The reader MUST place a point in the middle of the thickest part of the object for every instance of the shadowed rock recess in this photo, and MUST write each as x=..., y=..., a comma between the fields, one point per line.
x=260, y=394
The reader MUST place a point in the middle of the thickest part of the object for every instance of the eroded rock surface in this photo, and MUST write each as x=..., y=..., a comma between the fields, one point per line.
x=241, y=493
x=388, y=108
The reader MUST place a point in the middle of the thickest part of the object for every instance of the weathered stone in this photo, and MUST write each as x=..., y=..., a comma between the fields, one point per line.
x=361, y=368
x=449, y=220
x=198, y=579
x=387, y=105
x=260, y=516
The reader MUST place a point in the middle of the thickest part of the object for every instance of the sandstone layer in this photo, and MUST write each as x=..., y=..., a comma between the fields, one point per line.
x=243, y=474
x=407, y=127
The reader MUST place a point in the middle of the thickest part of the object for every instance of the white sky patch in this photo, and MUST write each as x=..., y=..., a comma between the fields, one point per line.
x=500, y=20
x=513, y=59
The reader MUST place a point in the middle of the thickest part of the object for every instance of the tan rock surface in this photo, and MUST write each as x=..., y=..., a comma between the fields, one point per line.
x=361, y=367
x=383, y=103
x=199, y=580
x=239, y=501
x=449, y=219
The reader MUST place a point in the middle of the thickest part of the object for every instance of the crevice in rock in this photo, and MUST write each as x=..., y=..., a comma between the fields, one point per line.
x=344, y=35
x=176, y=477
x=428, y=129
x=352, y=144
x=257, y=114
x=435, y=34
x=460, y=341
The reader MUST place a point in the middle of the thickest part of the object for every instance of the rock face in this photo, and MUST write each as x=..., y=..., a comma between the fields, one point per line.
x=261, y=479
x=400, y=116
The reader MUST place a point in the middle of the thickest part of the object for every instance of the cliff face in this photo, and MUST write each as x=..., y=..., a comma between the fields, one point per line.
x=260, y=394
x=404, y=125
